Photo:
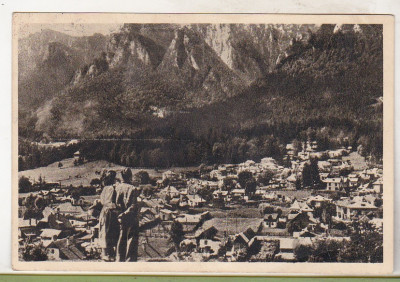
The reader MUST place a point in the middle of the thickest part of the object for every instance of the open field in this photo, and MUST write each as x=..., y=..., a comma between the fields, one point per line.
x=69, y=174
x=294, y=194
x=242, y=212
x=356, y=160
x=231, y=226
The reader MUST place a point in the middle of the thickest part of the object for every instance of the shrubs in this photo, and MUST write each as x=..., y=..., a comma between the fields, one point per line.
x=32, y=252
x=303, y=252
x=365, y=245
x=24, y=184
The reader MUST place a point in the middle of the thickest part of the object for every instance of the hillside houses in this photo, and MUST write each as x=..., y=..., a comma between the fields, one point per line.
x=348, y=208
x=336, y=184
x=221, y=219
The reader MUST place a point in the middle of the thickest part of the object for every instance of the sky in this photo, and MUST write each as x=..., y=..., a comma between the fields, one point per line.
x=70, y=28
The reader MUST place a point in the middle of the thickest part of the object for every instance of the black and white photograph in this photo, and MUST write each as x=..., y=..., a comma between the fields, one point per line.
x=194, y=142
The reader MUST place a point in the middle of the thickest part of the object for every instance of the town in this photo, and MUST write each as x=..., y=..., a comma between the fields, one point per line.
x=319, y=206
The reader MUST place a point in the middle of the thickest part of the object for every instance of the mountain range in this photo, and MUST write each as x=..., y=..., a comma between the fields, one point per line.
x=152, y=80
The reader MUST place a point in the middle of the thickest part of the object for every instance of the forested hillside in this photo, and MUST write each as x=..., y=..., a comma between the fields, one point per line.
x=183, y=103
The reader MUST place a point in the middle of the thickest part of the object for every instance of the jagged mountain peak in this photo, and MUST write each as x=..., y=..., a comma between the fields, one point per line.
x=183, y=48
x=129, y=46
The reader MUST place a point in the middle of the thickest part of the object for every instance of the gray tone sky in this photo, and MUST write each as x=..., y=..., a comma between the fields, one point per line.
x=74, y=29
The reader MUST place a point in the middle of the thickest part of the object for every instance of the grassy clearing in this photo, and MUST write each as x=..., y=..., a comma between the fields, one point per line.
x=297, y=194
x=239, y=212
x=356, y=160
x=230, y=226
x=69, y=174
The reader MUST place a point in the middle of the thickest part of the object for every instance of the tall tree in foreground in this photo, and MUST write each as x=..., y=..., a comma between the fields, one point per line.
x=365, y=245
x=247, y=181
x=176, y=234
x=310, y=174
x=24, y=184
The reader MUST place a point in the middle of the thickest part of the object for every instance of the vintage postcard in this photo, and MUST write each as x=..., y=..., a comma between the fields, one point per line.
x=203, y=143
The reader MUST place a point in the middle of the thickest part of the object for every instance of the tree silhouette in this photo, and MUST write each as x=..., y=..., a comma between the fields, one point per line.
x=176, y=234
x=34, y=253
x=24, y=184
x=247, y=182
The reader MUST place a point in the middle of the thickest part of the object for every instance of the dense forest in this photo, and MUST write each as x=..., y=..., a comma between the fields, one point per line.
x=31, y=155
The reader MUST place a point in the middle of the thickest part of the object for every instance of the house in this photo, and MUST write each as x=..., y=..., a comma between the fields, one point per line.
x=170, y=192
x=209, y=247
x=183, y=192
x=64, y=249
x=245, y=236
x=216, y=174
x=286, y=249
x=55, y=221
x=324, y=166
x=370, y=198
x=317, y=201
x=346, y=209
x=208, y=232
x=192, y=222
x=335, y=184
x=353, y=181
x=77, y=155
x=271, y=220
x=377, y=222
x=78, y=224
x=297, y=222
x=49, y=235
x=174, y=203
x=373, y=172
x=364, y=176
x=298, y=206
x=169, y=175
x=269, y=196
x=241, y=242
x=166, y=215
x=220, y=193
x=173, y=179
x=86, y=237
x=336, y=153
x=78, y=201
x=183, y=203
x=27, y=228
x=269, y=164
x=290, y=149
x=212, y=184
x=238, y=194
x=195, y=201
x=69, y=209
x=148, y=213
x=323, y=175
x=377, y=186
x=282, y=222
